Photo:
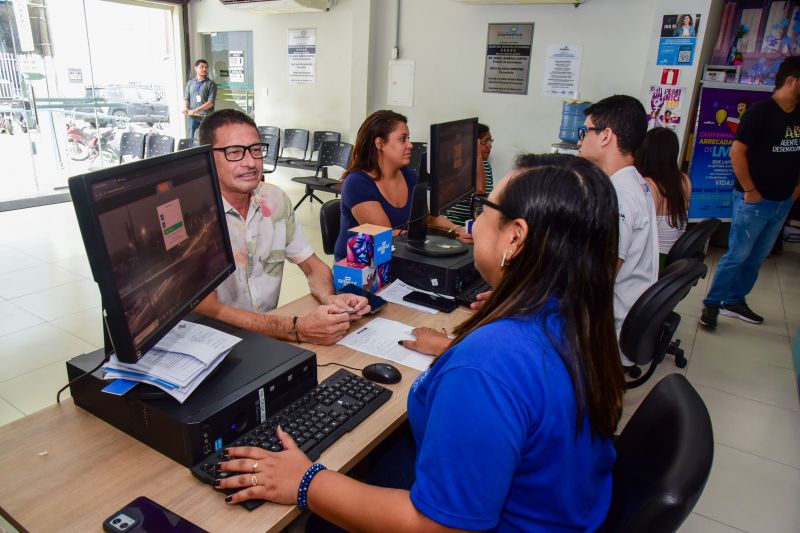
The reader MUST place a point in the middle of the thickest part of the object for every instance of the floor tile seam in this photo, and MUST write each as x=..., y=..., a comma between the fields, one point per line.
x=756, y=455
x=48, y=288
x=762, y=402
x=766, y=332
x=26, y=327
x=32, y=370
x=10, y=403
x=87, y=341
x=787, y=366
x=720, y=522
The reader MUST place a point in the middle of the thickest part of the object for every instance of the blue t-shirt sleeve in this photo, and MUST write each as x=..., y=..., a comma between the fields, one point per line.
x=359, y=188
x=471, y=448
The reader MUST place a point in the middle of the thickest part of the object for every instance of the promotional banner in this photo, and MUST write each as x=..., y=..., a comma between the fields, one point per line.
x=666, y=103
x=678, y=39
x=711, y=173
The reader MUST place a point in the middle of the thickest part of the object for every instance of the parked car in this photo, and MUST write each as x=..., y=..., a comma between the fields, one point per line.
x=120, y=105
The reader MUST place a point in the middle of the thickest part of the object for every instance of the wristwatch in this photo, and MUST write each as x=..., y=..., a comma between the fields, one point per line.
x=294, y=330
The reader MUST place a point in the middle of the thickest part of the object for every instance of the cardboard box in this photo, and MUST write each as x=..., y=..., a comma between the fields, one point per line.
x=346, y=273
x=369, y=245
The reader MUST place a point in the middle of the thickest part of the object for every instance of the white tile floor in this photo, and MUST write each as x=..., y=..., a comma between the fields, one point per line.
x=49, y=312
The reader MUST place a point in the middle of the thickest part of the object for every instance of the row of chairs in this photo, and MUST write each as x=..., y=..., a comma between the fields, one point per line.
x=297, y=141
x=134, y=145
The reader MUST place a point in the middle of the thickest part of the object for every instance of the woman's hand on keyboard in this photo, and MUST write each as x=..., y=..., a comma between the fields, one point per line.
x=273, y=476
x=428, y=341
x=479, y=299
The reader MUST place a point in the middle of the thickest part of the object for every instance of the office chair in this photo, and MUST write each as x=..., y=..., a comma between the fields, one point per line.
x=131, y=144
x=184, y=144
x=693, y=244
x=330, y=221
x=156, y=145
x=664, y=458
x=331, y=153
x=418, y=151
x=647, y=331
x=273, y=149
x=295, y=139
x=269, y=130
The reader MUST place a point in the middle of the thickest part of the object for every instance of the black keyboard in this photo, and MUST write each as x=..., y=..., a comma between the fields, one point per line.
x=315, y=421
x=471, y=291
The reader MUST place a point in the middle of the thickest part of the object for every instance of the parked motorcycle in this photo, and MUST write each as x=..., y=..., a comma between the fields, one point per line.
x=84, y=143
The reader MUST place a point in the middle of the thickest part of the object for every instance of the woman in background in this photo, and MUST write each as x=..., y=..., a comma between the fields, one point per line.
x=461, y=212
x=657, y=161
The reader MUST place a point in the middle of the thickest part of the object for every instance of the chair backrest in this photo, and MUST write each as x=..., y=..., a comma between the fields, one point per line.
x=295, y=138
x=418, y=151
x=156, y=145
x=334, y=153
x=642, y=337
x=184, y=144
x=664, y=457
x=273, y=150
x=693, y=244
x=330, y=222
x=131, y=144
x=269, y=130
x=321, y=136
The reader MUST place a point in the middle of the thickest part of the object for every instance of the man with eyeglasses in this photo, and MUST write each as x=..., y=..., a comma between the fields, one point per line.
x=264, y=234
x=613, y=130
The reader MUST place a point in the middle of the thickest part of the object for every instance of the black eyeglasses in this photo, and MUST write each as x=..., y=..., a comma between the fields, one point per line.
x=480, y=202
x=583, y=129
x=236, y=153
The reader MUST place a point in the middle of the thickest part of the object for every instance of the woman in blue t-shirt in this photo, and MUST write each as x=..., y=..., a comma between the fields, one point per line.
x=513, y=423
x=378, y=183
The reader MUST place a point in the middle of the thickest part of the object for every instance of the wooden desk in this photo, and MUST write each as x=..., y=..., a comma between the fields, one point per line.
x=65, y=470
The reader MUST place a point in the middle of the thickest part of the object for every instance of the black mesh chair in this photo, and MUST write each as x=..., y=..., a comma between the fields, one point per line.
x=418, y=151
x=664, y=458
x=693, y=244
x=330, y=221
x=269, y=130
x=156, y=145
x=184, y=144
x=296, y=140
x=273, y=149
x=646, y=334
x=331, y=153
x=131, y=146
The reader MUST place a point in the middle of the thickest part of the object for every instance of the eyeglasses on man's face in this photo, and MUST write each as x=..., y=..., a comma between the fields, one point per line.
x=583, y=129
x=236, y=153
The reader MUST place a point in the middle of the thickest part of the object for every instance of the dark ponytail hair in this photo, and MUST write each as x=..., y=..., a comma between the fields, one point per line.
x=365, y=154
x=657, y=159
x=569, y=255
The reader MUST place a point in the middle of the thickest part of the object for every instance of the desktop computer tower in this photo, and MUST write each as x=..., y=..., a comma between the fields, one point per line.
x=258, y=378
x=442, y=275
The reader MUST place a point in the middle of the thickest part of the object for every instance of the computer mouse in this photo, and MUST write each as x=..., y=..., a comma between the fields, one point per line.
x=381, y=373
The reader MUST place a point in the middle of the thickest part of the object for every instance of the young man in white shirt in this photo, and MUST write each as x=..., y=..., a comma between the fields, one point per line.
x=613, y=130
x=264, y=234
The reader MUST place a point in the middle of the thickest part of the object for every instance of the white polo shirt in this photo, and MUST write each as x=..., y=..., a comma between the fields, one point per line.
x=638, y=242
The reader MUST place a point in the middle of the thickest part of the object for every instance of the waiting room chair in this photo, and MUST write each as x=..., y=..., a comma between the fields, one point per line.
x=664, y=458
x=294, y=139
x=131, y=146
x=156, y=145
x=330, y=221
x=693, y=244
x=331, y=153
x=269, y=130
x=318, y=138
x=185, y=144
x=418, y=151
x=646, y=334
x=273, y=149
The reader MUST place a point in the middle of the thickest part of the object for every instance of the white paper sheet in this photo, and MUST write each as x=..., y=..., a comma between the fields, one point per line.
x=197, y=340
x=379, y=338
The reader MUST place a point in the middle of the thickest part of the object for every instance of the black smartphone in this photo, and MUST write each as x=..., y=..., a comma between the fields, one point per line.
x=375, y=301
x=143, y=515
x=429, y=300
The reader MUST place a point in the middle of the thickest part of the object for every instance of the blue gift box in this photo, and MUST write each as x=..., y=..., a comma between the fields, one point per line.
x=369, y=245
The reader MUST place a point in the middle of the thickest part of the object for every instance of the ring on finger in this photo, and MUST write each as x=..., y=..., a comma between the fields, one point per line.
x=253, y=480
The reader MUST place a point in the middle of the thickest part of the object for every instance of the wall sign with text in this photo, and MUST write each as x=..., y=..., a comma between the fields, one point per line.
x=508, y=58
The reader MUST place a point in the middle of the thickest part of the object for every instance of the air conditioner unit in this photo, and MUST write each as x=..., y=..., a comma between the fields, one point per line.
x=278, y=6
x=487, y=2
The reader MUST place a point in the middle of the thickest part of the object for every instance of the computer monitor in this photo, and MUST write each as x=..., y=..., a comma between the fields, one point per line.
x=157, y=243
x=446, y=177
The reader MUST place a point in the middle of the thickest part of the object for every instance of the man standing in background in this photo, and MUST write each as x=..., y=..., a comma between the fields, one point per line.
x=199, y=96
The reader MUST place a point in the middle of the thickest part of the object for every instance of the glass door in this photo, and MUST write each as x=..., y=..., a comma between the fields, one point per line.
x=230, y=58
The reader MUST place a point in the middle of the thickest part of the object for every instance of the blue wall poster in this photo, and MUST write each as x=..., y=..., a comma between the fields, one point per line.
x=678, y=39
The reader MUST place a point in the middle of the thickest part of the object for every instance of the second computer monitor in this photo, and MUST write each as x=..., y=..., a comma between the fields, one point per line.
x=452, y=157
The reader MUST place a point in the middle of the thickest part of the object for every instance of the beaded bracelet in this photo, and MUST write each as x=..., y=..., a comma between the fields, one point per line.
x=302, y=490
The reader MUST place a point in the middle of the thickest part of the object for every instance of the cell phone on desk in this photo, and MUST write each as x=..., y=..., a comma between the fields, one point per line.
x=375, y=301
x=429, y=300
x=143, y=515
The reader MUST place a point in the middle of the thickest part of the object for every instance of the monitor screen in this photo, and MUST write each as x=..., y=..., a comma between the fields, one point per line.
x=452, y=156
x=156, y=240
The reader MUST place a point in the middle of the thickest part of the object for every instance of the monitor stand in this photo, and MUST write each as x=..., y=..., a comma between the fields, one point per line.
x=418, y=239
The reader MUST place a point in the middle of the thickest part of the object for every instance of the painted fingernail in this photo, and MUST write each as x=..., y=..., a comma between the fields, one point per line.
x=218, y=468
x=216, y=483
x=400, y=343
x=228, y=499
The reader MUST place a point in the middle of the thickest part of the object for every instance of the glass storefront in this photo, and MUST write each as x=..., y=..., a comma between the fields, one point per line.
x=75, y=76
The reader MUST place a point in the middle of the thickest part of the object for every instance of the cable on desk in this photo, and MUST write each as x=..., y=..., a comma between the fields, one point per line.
x=340, y=364
x=92, y=371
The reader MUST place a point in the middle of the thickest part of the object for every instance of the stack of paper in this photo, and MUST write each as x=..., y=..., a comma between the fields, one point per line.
x=178, y=363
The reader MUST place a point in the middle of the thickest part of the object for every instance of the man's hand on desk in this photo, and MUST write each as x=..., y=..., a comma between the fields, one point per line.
x=356, y=306
x=326, y=325
x=428, y=341
x=273, y=476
